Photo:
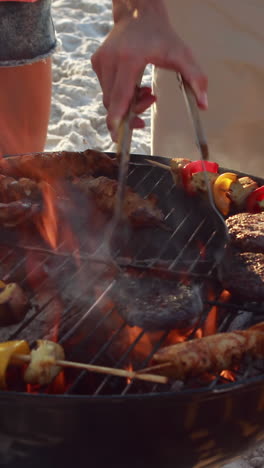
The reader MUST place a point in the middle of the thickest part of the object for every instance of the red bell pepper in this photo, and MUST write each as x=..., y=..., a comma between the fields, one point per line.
x=255, y=201
x=194, y=167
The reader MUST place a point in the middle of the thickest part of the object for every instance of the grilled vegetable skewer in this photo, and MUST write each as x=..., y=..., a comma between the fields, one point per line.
x=228, y=188
x=46, y=361
x=213, y=353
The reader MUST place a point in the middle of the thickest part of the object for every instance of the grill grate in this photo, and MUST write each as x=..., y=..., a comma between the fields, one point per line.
x=94, y=333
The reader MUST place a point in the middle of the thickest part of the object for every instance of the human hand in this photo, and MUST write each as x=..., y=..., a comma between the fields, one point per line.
x=136, y=40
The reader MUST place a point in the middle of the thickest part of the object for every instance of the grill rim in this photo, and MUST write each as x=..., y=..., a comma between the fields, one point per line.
x=180, y=395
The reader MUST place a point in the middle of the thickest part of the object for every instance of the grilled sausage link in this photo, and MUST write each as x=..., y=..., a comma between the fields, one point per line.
x=212, y=353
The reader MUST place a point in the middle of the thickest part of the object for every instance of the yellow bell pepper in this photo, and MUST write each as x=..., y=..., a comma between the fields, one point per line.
x=7, y=350
x=221, y=189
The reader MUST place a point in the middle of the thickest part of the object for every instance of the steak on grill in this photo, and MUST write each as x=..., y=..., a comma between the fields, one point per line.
x=243, y=275
x=247, y=231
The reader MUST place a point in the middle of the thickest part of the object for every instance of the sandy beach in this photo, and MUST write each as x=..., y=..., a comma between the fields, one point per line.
x=78, y=116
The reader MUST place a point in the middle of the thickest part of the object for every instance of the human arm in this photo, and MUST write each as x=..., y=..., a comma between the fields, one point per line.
x=142, y=34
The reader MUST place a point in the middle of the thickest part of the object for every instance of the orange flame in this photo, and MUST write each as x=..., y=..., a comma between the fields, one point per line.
x=130, y=369
x=228, y=375
x=47, y=224
x=143, y=346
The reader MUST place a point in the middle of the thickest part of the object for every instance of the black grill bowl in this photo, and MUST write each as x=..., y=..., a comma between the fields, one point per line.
x=155, y=430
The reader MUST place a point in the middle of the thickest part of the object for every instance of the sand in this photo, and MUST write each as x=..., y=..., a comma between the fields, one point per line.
x=78, y=115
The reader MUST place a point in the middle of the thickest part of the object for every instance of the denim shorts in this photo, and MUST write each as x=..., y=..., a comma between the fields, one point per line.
x=27, y=32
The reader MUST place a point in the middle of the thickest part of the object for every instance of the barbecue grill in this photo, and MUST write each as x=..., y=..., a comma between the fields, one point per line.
x=104, y=419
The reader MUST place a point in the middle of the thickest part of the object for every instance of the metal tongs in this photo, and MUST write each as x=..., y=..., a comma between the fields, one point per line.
x=194, y=113
x=123, y=154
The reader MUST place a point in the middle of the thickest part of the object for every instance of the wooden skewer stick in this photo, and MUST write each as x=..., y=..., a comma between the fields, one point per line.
x=101, y=369
x=158, y=164
x=154, y=368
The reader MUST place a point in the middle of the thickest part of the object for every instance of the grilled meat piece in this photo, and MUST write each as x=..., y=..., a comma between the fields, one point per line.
x=14, y=213
x=139, y=211
x=153, y=303
x=13, y=304
x=243, y=275
x=42, y=369
x=13, y=190
x=58, y=165
x=247, y=231
x=212, y=353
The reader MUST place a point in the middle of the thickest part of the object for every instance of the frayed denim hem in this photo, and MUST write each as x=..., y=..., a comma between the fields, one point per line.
x=22, y=62
x=27, y=33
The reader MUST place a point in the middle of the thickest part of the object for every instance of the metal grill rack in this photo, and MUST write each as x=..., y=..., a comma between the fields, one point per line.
x=84, y=318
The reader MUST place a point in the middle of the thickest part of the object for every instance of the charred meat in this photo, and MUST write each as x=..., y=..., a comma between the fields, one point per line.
x=141, y=212
x=243, y=275
x=153, y=303
x=247, y=231
x=58, y=165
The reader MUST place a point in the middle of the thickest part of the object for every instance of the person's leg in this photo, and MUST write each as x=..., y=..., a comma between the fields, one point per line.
x=25, y=96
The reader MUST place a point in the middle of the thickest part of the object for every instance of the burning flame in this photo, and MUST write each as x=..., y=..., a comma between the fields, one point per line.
x=130, y=369
x=228, y=375
x=143, y=346
x=47, y=224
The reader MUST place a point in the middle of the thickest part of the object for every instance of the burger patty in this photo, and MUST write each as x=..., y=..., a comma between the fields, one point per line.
x=243, y=275
x=154, y=303
x=247, y=231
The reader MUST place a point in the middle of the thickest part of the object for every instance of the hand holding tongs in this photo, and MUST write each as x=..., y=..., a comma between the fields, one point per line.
x=123, y=154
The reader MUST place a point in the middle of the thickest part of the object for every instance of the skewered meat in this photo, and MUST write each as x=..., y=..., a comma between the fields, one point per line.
x=42, y=369
x=153, y=303
x=64, y=164
x=13, y=304
x=247, y=231
x=140, y=212
x=243, y=275
x=212, y=353
x=17, y=212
